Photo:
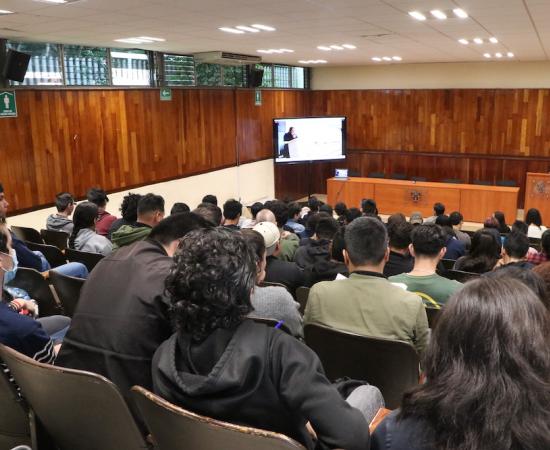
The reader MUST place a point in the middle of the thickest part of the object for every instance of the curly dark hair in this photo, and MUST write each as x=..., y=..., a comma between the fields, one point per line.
x=128, y=207
x=210, y=282
x=487, y=369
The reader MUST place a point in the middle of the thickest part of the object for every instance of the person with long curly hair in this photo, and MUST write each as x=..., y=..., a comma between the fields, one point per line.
x=487, y=376
x=225, y=366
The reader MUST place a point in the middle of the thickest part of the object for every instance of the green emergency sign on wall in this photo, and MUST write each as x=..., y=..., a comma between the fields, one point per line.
x=8, y=106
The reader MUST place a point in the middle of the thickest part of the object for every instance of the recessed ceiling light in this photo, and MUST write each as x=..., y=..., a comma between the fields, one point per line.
x=397, y=58
x=337, y=47
x=319, y=61
x=478, y=41
x=231, y=30
x=275, y=50
x=52, y=1
x=438, y=14
x=493, y=40
x=154, y=39
x=377, y=59
x=463, y=41
x=510, y=55
x=487, y=55
x=349, y=46
x=386, y=58
x=134, y=41
x=459, y=12
x=245, y=28
x=417, y=15
x=286, y=50
x=259, y=26
x=5, y=11
x=324, y=48
x=498, y=55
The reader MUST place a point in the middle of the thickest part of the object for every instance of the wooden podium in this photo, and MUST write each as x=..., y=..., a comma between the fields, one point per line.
x=537, y=194
x=475, y=202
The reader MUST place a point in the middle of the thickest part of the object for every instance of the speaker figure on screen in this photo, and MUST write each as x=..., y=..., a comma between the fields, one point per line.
x=288, y=137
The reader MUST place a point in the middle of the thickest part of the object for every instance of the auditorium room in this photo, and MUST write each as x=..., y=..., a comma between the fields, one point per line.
x=275, y=225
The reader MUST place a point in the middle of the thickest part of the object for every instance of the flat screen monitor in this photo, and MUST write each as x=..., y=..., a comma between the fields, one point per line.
x=309, y=139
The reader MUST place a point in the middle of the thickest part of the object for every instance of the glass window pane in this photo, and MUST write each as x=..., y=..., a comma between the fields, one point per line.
x=179, y=70
x=44, y=67
x=298, y=77
x=282, y=76
x=208, y=74
x=268, y=75
x=234, y=76
x=130, y=67
x=85, y=66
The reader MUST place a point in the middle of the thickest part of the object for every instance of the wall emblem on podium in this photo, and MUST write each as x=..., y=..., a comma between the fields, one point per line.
x=416, y=196
x=540, y=189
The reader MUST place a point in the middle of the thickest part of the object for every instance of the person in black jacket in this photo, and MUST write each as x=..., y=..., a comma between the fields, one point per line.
x=487, y=373
x=225, y=366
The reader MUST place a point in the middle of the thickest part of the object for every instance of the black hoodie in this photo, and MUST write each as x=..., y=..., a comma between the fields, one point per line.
x=258, y=376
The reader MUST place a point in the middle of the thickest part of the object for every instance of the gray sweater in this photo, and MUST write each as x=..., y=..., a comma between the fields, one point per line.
x=88, y=241
x=273, y=302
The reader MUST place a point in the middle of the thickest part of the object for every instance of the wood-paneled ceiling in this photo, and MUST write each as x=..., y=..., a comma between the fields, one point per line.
x=375, y=27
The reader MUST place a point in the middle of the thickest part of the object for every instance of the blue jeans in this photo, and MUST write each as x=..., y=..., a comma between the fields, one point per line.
x=73, y=269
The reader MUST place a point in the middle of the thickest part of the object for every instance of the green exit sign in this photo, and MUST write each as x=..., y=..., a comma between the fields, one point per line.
x=8, y=105
x=166, y=94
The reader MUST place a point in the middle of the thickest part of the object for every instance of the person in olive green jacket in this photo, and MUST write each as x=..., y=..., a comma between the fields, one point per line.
x=367, y=303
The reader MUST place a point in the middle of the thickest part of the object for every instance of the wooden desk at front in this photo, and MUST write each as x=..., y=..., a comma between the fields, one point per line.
x=476, y=203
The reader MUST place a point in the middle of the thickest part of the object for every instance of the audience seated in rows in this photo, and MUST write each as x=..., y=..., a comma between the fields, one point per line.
x=455, y=248
x=277, y=270
x=271, y=302
x=121, y=317
x=104, y=219
x=232, y=211
x=533, y=220
x=64, y=203
x=277, y=384
x=340, y=209
x=487, y=370
x=535, y=257
x=276, y=212
x=484, y=253
x=457, y=220
x=179, y=208
x=400, y=259
x=23, y=257
x=292, y=223
x=439, y=210
x=428, y=248
x=255, y=208
x=514, y=250
x=84, y=237
x=128, y=210
x=150, y=212
x=367, y=303
x=528, y=277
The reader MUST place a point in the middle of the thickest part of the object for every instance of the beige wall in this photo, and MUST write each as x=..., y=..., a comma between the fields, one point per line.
x=249, y=182
x=434, y=76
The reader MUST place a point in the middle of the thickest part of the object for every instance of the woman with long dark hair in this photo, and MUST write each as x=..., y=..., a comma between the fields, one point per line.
x=502, y=227
x=84, y=237
x=484, y=252
x=488, y=376
x=534, y=220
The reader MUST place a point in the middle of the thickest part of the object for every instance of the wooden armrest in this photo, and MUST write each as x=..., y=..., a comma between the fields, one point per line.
x=380, y=416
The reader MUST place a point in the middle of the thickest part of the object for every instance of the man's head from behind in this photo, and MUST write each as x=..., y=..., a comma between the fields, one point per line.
x=129, y=206
x=271, y=234
x=456, y=219
x=326, y=228
x=209, y=198
x=232, y=210
x=400, y=235
x=3, y=204
x=150, y=209
x=366, y=243
x=64, y=203
x=169, y=231
x=99, y=197
x=280, y=209
x=210, y=212
x=439, y=209
x=516, y=246
x=428, y=241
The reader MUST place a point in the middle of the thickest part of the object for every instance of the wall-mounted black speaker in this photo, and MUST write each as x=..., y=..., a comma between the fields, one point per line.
x=256, y=77
x=16, y=65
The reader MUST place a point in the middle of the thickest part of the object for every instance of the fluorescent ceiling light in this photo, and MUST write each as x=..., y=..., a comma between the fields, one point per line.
x=263, y=51
x=154, y=39
x=510, y=55
x=417, y=15
x=487, y=55
x=53, y=1
x=274, y=50
x=231, y=30
x=259, y=26
x=459, y=12
x=337, y=47
x=498, y=55
x=478, y=41
x=397, y=58
x=438, y=14
x=349, y=46
x=463, y=41
x=319, y=61
x=5, y=11
x=493, y=40
x=377, y=59
x=134, y=41
x=249, y=29
x=324, y=48
x=286, y=50
x=386, y=58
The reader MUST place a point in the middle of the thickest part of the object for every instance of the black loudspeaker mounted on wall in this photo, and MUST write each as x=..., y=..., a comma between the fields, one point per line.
x=16, y=65
x=256, y=77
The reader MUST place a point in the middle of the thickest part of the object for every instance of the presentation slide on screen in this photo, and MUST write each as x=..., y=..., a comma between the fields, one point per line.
x=310, y=139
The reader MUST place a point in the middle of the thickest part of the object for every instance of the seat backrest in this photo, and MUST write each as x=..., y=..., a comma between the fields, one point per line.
x=376, y=175
x=58, y=239
x=89, y=259
x=14, y=418
x=79, y=410
x=302, y=294
x=391, y=366
x=482, y=182
x=452, y=180
x=433, y=315
x=398, y=176
x=460, y=275
x=50, y=252
x=419, y=179
x=38, y=288
x=448, y=264
x=174, y=428
x=506, y=183
x=68, y=290
x=27, y=234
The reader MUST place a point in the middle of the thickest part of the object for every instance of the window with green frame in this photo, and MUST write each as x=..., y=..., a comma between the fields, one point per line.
x=85, y=66
x=44, y=65
x=130, y=67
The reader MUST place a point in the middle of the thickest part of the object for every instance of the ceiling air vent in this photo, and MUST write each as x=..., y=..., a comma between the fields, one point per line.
x=226, y=58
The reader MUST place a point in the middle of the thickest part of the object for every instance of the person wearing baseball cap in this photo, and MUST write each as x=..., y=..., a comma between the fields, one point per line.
x=416, y=218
